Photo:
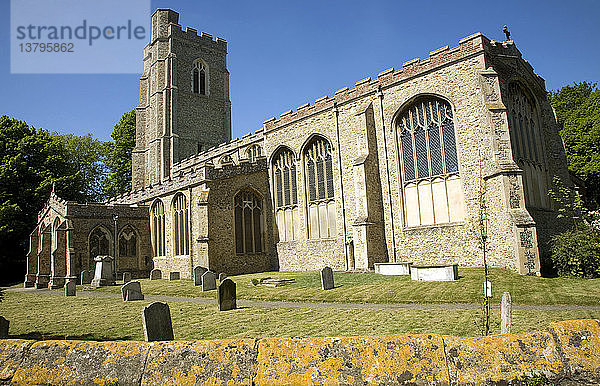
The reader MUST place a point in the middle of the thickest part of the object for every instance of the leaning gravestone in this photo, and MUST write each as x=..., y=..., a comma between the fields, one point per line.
x=327, y=278
x=86, y=277
x=156, y=319
x=155, y=274
x=226, y=297
x=3, y=328
x=198, y=272
x=126, y=277
x=209, y=281
x=174, y=276
x=70, y=288
x=132, y=291
x=222, y=276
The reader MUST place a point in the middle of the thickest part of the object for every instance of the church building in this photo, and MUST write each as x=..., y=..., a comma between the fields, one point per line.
x=393, y=169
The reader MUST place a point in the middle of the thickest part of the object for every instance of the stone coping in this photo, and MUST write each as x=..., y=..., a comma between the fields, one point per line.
x=435, y=266
x=566, y=351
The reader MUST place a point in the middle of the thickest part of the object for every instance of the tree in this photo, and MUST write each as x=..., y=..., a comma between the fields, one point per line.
x=581, y=134
x=569, y=98
x=86, y=155
x=32, y=161
x=118, y=160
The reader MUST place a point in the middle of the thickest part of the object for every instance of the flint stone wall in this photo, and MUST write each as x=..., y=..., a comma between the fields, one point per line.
x=567, y=352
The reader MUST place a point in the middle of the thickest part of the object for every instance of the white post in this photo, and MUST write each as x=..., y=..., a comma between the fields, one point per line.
x=505, y=313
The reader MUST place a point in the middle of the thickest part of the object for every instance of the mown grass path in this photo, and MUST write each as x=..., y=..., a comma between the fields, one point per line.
x=375, y=288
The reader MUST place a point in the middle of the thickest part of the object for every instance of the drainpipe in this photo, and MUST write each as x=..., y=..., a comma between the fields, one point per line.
x=336, y=113
x=387, y=169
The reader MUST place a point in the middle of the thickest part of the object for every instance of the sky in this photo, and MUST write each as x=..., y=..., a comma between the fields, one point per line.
x=283, y=54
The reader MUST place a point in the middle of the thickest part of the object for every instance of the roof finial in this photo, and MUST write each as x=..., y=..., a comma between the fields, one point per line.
x=506, y=32
x=53, y=188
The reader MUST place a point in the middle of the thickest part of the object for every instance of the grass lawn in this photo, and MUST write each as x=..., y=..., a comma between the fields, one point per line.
x=375, y=288
x=57, y=317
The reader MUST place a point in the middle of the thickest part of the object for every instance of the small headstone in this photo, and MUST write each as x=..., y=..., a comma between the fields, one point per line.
x=209, y=281
x=226, y=297
x=327, y=278
x=222, y=276
x=70, y=288
x=132, y=291
x=174, y=275
x=156, y=319
x=86, y=277
x=505, y=313
x=126, y=277
x=155, y=274
x=198, y=272
x=3, y=328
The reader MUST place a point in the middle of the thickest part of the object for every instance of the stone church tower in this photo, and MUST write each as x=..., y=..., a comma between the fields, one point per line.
x=184, y=104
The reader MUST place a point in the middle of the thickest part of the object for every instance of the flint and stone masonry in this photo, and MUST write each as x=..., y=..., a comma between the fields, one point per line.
x=390, y=170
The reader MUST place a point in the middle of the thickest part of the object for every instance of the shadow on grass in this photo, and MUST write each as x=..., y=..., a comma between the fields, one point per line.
x=45, y=336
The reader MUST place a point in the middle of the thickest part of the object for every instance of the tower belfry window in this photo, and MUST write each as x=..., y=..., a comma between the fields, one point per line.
x=200, y=78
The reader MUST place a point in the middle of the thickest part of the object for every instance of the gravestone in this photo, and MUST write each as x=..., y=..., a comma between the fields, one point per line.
x=103, y=275
x=132, y=291
x=222, y=276
x=3, y=328
x=126, y=277
x=226, y=297
x=155, y=274
x=70, y=288
x=86, y=277
x=209, y=281
x=174, y=275
x=156, y=319
x=327, y=278
x=198, y=272
x=505, y=313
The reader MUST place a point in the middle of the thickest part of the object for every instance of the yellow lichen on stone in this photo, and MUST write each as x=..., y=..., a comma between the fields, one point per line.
x=580, y=342
x=501, y=357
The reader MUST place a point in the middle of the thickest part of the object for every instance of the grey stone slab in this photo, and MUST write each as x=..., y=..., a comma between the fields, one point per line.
x=505, y=313
x=155, y=274
x=174, y=275
x=434, y=272
x=209, y=281
x=70, y=288
x=4, y=323
x=132, y=291
x=226, y=295
x=156, y=319
x=327, y=278
x=86, y=277
x=198, y=272
x=126, y=277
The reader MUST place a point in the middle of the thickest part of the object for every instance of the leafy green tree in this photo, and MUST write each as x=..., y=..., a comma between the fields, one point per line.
x=570, y=98
x=581, y=134
x=118, y=159
x=86, y=155
x=31, y=162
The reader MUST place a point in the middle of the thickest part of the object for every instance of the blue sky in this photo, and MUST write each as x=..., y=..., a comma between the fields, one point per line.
x=283, y=54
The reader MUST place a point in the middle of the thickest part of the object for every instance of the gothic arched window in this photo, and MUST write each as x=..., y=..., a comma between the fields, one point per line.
x=254, y=152
x=431, y=184
x=157, y=228
x=181, y=229
x=99, y=242
x=526, y=145
x=318, y=167
x=200, y=78
x=286, y=194
x=127, y=242
x=248, y=223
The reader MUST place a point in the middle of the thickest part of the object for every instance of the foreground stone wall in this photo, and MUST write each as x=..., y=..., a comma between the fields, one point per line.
x=566, y=353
